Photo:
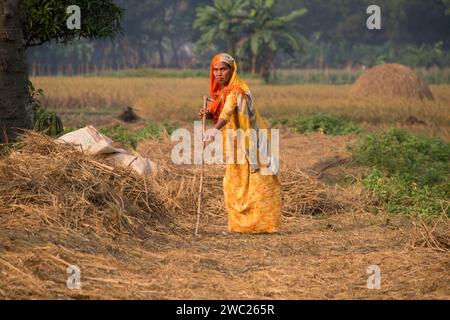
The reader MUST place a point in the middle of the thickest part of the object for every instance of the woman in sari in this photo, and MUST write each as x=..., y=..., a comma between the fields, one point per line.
x=252, y=196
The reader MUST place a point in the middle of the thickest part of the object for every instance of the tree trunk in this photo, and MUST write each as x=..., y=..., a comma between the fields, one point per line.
x=266, y=69
x=231, y=46
x=176, y=59
x=161, y=54
x=15, y=103
x=254, y=63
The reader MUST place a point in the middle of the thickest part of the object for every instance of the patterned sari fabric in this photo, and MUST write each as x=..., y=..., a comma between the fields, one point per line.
x=251, y=187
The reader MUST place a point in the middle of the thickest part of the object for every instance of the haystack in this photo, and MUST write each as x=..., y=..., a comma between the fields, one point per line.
x=60, y=207
x=391, y=80
x=52, y=187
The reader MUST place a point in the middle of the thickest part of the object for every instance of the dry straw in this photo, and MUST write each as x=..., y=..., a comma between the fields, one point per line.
x=53, y=185
x=132, y=236
x=391, y=80
x=302, y=194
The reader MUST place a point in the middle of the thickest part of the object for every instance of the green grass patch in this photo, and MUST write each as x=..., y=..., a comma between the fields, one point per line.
x=410, y=174
x=131, y=138
x=324, y=123
x=157, y=73
x=344, y=77
x=435, y=77
x=279, y=76
x=163, y=73
x=317, y=76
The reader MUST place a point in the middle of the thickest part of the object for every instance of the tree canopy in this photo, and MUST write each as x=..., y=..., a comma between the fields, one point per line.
x=181, y=33
x=44, y=21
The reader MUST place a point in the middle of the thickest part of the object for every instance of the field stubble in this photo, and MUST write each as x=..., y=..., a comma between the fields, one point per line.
x=323, y=250
x=179, y=100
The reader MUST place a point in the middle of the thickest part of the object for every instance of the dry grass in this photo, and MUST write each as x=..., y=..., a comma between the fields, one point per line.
x=179, y=99
x=302, y=194
x=391, y=80
x=133, y=237
x=61, y=208
x=310, y=259
x=52, y=185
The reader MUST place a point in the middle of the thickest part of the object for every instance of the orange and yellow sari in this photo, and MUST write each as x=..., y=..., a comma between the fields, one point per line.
x=252, y=199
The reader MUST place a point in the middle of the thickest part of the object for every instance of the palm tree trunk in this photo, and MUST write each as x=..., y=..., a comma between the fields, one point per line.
x=161, y=54
x=266, y=68
x=176, y=60
x=254, y=63
x=15, y=104
x=231, y=46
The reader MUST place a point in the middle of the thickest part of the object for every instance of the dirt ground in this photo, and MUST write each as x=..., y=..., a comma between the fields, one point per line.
x=324, y=256
x=312, y=257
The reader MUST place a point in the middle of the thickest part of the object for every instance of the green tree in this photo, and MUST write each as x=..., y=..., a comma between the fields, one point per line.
x=266, y=34
x=223, y=21
x=46, y=20
x=447, y=6
x=31, y=23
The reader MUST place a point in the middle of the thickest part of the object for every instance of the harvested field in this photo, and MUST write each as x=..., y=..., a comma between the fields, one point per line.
x=130, y=250
x=99, y=101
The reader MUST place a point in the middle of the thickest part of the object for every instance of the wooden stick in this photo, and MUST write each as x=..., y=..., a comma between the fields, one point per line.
x=200, y=191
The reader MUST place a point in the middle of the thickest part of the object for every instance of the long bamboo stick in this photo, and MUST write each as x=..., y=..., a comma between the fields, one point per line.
x=200, y=191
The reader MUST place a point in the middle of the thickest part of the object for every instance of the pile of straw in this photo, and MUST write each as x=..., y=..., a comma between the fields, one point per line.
x=60, y=207
x=301, y=194
x=391, y=80
x=53, y=187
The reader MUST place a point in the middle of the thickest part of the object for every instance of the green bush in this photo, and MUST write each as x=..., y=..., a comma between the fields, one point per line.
x=324, y=123
x=168, y=127
x=409, y=173
x=44, y=121
x=47, y=121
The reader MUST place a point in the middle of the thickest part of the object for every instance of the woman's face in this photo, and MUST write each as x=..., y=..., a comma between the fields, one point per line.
x=222, y=73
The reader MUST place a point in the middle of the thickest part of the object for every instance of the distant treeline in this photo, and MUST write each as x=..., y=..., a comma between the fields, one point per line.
x=330, y=33
x=278, y=76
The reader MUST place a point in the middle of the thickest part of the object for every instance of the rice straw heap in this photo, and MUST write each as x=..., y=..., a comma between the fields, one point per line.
x=391, y=80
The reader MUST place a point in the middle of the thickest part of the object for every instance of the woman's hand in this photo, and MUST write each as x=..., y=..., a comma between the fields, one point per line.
x=208, y=114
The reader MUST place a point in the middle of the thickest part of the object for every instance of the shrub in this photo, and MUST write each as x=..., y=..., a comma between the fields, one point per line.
x=131, y=138
x=44, y=121
x=409, y=173
x=323, y=123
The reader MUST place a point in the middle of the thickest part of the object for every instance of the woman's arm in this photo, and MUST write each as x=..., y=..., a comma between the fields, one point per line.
x=210, y=134
x=225, y=115
x=220, y=124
